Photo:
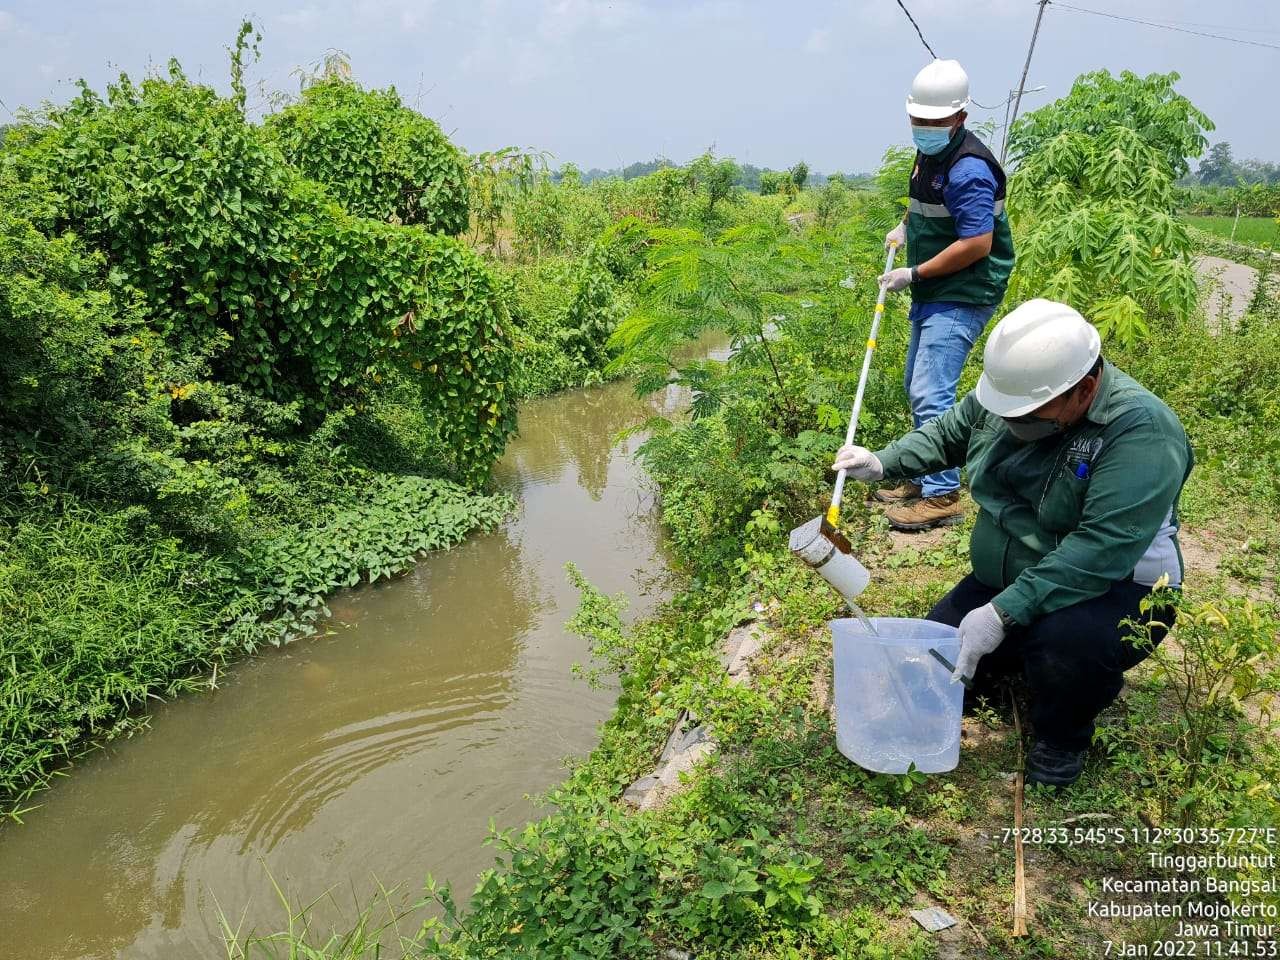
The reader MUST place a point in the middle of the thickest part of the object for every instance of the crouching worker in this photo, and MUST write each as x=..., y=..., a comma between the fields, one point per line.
x=1076, y=470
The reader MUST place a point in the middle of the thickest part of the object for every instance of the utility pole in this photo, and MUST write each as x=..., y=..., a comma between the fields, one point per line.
x=1023, y=82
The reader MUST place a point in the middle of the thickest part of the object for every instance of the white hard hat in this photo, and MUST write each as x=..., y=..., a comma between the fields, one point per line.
x=939, y=90
x=1040, y=350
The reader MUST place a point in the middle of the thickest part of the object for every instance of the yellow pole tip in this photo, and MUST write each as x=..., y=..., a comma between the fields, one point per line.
x=833, y=515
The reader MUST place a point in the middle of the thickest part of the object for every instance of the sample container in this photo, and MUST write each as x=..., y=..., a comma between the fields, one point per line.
x=842, y=571
x=894, y=703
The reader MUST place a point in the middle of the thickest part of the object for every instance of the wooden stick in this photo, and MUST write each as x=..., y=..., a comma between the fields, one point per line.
x=1019, y=870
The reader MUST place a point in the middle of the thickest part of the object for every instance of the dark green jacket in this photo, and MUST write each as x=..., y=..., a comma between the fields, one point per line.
x=931, y=228
x=1050, y=533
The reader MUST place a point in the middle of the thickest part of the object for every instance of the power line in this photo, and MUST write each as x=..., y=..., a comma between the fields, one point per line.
x=918, y=33
x=1166, y=26
x=1022, y=83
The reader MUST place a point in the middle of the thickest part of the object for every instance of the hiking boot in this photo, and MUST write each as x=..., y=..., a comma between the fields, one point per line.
x=899, y=494
x=1053, y=767
x=926, y=513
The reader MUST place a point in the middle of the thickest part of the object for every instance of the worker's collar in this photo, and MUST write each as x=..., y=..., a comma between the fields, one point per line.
x=1099, y=411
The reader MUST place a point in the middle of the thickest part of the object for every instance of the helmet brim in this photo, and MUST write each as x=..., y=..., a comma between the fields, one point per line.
x=923, y=111
x=1009, y=404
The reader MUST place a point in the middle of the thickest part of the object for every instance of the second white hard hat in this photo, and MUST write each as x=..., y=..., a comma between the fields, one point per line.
x=1040, y=350
x=939, y=90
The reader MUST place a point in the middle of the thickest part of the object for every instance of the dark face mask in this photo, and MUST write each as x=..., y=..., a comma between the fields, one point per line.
x=1029, y=429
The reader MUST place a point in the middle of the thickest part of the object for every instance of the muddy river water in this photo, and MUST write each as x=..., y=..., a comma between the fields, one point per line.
x=371, y=754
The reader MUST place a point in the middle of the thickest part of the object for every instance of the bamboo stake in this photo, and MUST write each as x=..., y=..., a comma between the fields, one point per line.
x=1019, y=870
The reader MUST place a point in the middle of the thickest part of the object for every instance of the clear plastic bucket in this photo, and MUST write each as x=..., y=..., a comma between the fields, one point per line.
x=894, y=703
x=842, y=571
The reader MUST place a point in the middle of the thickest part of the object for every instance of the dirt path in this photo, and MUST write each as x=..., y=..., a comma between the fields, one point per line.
x=1228, y=288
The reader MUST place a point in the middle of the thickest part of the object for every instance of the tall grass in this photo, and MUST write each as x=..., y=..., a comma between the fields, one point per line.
x=97, y=615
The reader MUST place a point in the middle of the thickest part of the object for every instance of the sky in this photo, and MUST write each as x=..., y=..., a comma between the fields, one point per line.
x=603, y=84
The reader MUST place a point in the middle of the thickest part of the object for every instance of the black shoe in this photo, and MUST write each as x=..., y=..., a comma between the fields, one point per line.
x=1054, y=767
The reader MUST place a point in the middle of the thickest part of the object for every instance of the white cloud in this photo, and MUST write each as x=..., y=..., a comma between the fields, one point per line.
x=819, y=40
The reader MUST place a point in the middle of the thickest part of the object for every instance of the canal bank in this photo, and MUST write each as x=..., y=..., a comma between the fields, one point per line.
x=371, y=754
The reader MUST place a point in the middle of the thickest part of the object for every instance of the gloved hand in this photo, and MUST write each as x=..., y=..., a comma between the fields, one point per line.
x=897, y=236
x=861, y=463
x=895, y=280
x=981, y=631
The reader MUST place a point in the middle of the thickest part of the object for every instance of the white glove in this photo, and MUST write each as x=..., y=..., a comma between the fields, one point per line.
x=897, y=236
x=896, y=280
x=860, y=462
x=981, y=631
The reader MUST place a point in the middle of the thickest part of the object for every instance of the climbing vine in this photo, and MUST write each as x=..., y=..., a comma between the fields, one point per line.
x=378, y=157
x=236, y=256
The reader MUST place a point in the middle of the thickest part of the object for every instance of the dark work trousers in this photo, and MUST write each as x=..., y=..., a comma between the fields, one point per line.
x=1073, y=659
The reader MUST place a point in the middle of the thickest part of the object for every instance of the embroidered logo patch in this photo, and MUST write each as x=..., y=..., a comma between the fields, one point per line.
x=936, y=183
x=1083, y=450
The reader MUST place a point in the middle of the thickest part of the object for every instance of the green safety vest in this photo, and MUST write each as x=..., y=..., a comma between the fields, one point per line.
x=931, y=229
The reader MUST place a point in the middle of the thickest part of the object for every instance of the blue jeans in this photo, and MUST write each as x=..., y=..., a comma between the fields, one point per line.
x=942, y=334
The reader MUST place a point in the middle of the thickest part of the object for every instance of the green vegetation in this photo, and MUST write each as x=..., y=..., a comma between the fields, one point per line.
x=1220, y=168
x=780, y=848
x=379, y=158
x=1255, y=231
x=242, y=365
x=1094, y=207
x=1164, y=119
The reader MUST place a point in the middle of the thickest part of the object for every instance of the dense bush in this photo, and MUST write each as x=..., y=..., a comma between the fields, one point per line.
x=100, y=611
x=74, y=361
x=767, y=421
x=240, y=260
x=378, y=157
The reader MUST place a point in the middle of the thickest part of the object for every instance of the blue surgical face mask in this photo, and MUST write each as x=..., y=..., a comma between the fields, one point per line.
x=931, y=140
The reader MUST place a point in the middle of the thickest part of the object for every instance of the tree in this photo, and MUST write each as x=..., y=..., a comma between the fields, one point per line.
x=1163, y=118
x=1218, y=167
x=717, y=178
x=775, y=181
x=1096, y=230
x=799, y=174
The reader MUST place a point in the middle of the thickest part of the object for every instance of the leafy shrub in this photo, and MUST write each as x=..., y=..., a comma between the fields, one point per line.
x=1225, y=664
x=1162, y=118
x=775, y=181
x=552, y=219
x=662, y=198
x=1096, y=229
x=73, y=362
x=378, y=157
x=241, y=260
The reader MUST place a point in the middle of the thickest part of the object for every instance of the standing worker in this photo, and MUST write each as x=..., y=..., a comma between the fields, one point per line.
x=959, y=256
x=1076, y=470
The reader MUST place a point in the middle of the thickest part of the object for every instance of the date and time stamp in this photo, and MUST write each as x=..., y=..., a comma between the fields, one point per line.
x=1215, y=891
